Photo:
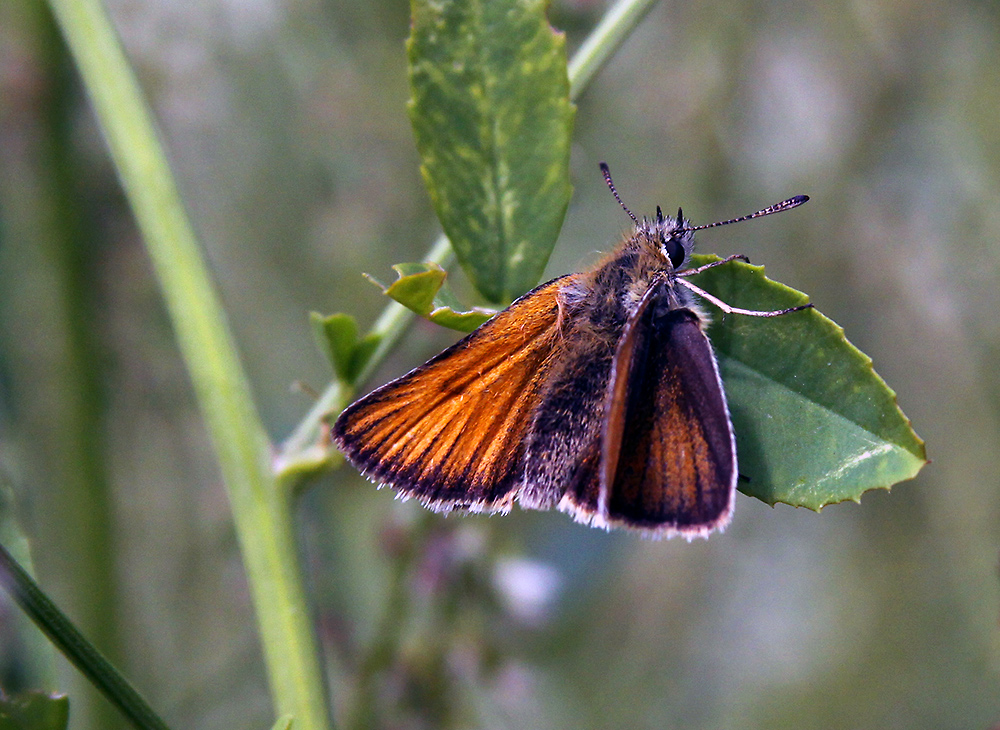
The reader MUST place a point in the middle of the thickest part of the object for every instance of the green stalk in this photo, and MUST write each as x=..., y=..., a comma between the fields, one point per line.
x=603, y=41
x=261, y=509
x=304, y=450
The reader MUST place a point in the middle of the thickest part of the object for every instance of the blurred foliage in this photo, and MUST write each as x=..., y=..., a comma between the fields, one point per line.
x=34, y=711
x=288, y=132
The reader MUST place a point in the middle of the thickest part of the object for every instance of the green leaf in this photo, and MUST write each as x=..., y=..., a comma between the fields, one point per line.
x=492, y=118
x=34, y=711
x=337, y=338
x=422, y=288
x=814, y=422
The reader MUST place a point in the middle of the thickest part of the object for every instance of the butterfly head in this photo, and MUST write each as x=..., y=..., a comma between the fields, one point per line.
x=672, y=236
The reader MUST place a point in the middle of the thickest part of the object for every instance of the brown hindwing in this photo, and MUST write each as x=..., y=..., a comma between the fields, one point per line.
x=451, y=432
x=668, y=455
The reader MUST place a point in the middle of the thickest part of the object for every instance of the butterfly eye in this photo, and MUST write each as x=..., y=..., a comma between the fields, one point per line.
x=674, y=249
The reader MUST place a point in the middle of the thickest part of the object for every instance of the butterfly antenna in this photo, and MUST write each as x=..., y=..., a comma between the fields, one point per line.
x=776, y=208
x=611, y=185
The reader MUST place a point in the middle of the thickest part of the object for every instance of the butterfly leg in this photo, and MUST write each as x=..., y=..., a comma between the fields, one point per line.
x=736, y=310
x=713, y=264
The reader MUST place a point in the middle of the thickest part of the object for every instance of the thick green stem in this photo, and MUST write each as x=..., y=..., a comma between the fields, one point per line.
x=260, y=508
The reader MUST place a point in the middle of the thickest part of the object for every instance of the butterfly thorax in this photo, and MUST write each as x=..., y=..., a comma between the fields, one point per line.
x=609, y=294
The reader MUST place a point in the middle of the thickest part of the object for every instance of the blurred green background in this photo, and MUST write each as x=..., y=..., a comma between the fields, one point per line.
x=287, y=130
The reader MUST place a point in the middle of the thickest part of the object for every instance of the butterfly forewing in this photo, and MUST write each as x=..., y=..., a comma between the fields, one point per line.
x=668, y=452
x=451, y=432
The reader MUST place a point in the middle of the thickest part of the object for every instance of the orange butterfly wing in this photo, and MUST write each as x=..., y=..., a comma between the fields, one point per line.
x=451, y=432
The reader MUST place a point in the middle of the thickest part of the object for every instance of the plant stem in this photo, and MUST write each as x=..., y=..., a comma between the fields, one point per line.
x=604, y=40
x=260, y=508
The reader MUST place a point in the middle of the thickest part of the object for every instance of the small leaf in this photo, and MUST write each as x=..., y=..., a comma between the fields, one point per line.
x=34, y=711
x=337, y=338
x=422, y=288
x=416, y=286
x=814, y=423
x=461, y=321
x=492, y=118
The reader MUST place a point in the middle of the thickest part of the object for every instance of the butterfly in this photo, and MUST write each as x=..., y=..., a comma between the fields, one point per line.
x=597, y=393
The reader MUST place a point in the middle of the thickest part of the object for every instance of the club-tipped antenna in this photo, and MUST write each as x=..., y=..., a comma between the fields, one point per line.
x=776, y=208
x=611, y=185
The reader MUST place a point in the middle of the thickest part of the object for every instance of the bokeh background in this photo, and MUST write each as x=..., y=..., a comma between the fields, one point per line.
x=287, y=129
